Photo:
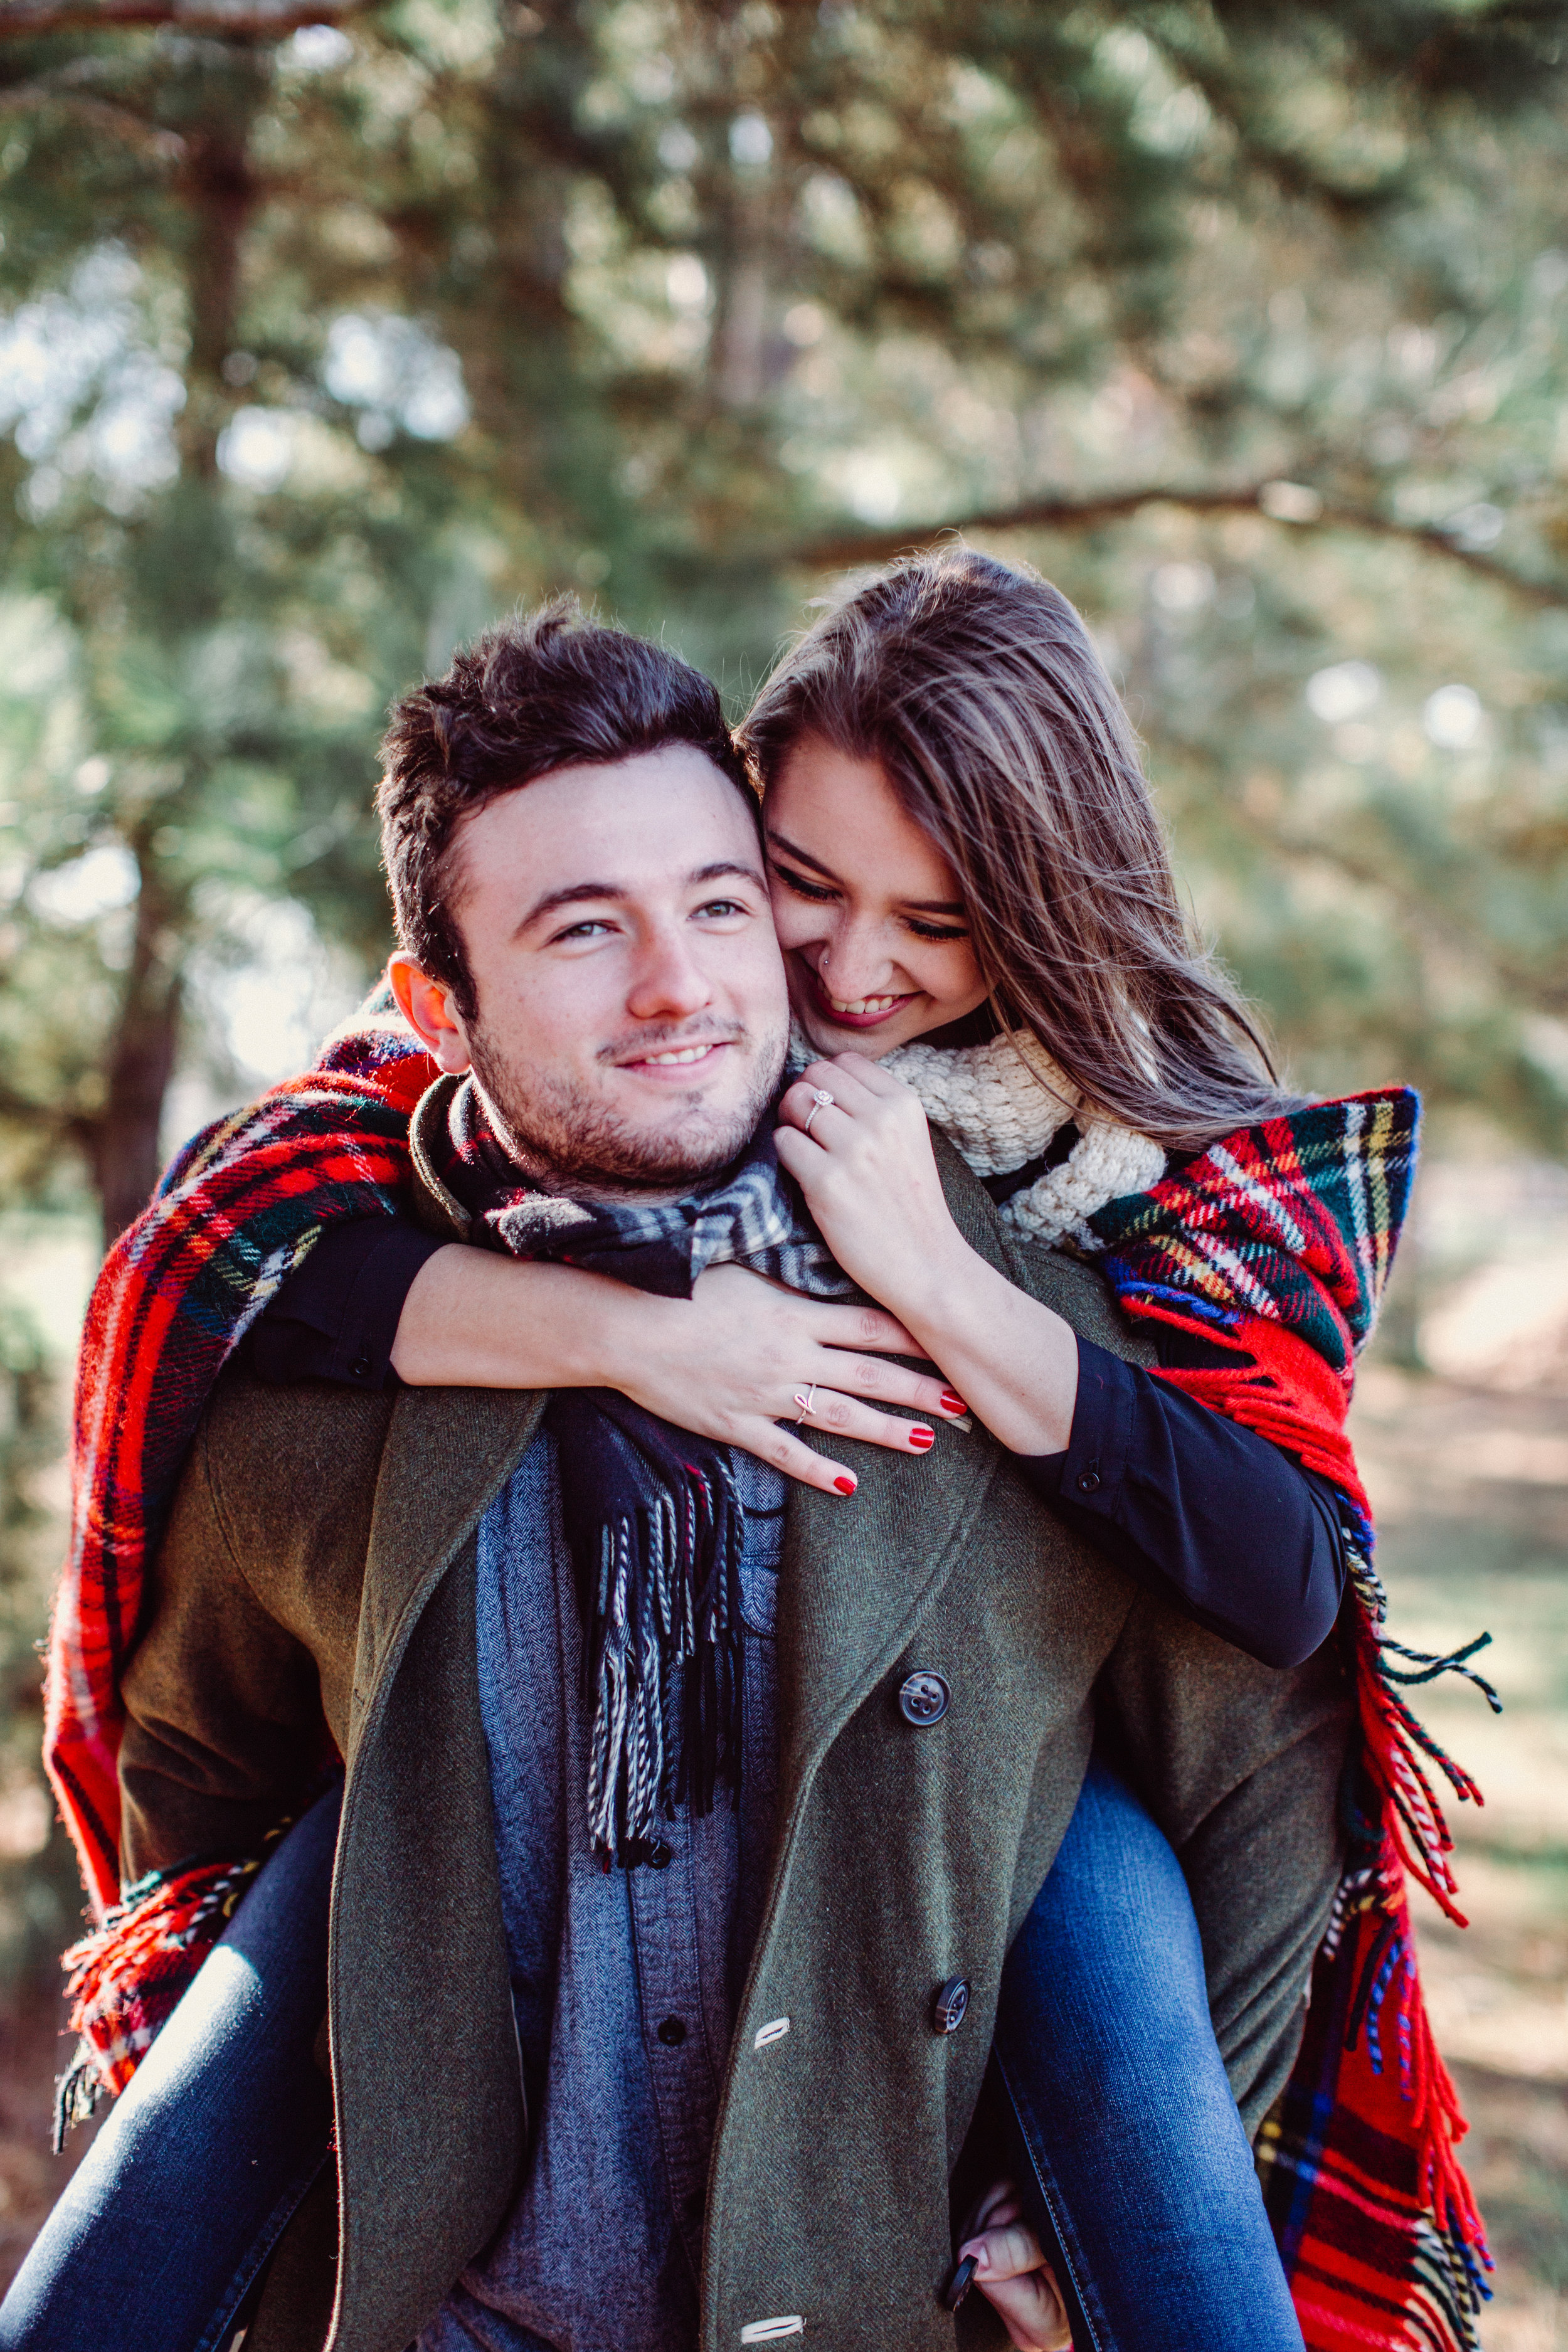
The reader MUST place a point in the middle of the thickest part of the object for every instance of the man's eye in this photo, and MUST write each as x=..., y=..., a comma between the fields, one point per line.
x=801, y=887
x=584, y=930
x=722, y=907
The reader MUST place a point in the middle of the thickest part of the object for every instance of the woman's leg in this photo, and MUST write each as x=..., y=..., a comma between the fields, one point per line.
x=1130, y=2135
x=207, y=2152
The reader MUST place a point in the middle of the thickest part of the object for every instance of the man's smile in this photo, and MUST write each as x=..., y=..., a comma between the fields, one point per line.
x=679, y=1061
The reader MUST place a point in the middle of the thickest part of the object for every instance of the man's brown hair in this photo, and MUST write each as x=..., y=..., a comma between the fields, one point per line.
x=549, y=690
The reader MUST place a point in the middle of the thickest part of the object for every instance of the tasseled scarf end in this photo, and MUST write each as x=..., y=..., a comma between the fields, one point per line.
x=126, y=1978
x=655, y=1530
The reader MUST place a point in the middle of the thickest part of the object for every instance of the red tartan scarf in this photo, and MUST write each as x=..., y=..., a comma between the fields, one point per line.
x=1274, y=1243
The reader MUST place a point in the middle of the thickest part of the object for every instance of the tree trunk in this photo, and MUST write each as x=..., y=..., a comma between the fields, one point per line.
x=125, y=1151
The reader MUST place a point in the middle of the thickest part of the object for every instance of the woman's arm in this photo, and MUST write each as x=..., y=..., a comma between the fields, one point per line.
x=1184, y=1500
x=727, y=1363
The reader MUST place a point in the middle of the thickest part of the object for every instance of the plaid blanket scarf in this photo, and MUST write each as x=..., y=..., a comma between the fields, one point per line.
x=1274, y=1243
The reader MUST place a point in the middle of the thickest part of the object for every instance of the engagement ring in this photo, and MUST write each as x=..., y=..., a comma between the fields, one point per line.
x=819, y=1101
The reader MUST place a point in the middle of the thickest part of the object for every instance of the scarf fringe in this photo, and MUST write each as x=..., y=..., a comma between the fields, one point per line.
x=126, y=1978
x=659, y=1580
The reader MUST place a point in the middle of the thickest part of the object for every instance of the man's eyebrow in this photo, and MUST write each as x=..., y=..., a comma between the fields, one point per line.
x=916, y=906
x=581, y=892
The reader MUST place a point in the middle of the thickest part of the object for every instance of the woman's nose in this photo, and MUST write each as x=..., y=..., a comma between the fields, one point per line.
x=854, y=962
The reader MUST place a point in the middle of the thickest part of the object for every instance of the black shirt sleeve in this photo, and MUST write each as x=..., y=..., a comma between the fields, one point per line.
x=336, y=1317
x=1199, y=1507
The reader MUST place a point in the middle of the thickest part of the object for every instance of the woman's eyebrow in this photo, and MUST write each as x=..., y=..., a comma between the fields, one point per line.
x=916, y=906
x=782, y=841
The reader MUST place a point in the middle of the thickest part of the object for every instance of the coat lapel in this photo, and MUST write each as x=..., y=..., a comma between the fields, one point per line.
x=860, y=1576
x=448, y=1453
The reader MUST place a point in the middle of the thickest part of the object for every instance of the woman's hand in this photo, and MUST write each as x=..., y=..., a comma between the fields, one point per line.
x=869, y=1177
x=1013, y=2275
x=870, y=1180
x=730, y=1362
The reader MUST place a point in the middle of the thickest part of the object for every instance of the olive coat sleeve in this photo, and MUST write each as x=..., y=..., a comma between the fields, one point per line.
x=225, y=1734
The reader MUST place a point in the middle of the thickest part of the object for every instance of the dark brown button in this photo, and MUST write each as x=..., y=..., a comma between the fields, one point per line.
x=659, y=1855
x=1088, y=1482
x=923, y=1698
x=952, y=2002
x=359, y=1368
x=672, y=2032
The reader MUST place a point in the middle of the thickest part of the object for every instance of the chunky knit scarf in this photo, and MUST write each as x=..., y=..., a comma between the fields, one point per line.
x=1274, y=1245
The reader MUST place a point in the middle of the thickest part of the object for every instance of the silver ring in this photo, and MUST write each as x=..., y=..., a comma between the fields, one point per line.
x=806, y=1403
x=820, y=1100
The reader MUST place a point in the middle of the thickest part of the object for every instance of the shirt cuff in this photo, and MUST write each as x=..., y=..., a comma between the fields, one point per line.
x=1092, y=1471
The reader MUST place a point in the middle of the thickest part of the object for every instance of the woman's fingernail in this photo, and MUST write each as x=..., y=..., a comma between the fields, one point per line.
x=921, y=1437
x=845, y=1484
x=950, y=1403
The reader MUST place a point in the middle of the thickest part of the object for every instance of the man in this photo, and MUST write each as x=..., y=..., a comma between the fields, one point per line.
x=746, y=2045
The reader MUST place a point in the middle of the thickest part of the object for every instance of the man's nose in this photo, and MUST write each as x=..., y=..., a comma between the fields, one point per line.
x=669, y=983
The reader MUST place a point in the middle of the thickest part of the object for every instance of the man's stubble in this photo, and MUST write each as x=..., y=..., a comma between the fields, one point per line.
x=571, y=1142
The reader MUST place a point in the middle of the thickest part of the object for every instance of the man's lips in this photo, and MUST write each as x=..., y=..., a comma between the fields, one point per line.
x=680, y=1063
x=860, y=1012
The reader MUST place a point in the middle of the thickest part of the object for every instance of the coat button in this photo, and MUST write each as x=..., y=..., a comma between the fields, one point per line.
x=952, y=2002
x=672, y=2032
x=923, y=1698
x=359, y=1368
x=1088, y=1482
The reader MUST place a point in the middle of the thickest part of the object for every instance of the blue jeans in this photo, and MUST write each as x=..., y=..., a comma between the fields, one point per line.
x=205, y=2156
x=1129, y=2146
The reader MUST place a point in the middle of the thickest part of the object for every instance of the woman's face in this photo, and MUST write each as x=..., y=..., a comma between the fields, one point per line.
x=868, y=911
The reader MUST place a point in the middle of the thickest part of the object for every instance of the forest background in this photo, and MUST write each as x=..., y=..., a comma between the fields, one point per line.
x=329, y=330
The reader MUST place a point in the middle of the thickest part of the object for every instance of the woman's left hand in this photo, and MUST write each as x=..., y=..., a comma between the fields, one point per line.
x=870, y=1178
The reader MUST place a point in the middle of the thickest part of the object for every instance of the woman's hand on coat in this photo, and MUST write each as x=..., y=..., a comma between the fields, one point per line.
x=731, y=1362
x=1013, y=2275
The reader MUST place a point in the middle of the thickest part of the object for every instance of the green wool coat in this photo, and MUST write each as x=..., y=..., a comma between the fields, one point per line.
x=318, y=1579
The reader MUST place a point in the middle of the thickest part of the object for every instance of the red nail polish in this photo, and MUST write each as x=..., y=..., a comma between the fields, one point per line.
x=950, y=1403
x=921, y=1437
x=844, y=1485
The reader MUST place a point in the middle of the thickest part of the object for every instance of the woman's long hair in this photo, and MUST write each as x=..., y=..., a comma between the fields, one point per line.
x=978, y=689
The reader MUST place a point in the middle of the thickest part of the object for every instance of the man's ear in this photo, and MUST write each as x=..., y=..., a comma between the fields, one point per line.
x=428, y=1007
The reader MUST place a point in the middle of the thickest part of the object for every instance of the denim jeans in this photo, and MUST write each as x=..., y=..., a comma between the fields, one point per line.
x=205, y=2156
x=1129, y=2146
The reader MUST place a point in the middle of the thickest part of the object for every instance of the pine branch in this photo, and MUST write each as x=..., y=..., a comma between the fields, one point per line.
x=231, y=19
x=1285, y=503
x=98, y=114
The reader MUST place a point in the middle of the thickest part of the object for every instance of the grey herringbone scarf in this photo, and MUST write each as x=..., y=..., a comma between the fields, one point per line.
x=653, y=1522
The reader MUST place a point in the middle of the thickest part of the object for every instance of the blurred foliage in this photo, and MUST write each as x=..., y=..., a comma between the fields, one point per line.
x=320, y=347
x=40, y=1894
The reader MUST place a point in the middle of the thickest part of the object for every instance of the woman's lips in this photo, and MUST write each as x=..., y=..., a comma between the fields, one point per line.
x=863, y=1012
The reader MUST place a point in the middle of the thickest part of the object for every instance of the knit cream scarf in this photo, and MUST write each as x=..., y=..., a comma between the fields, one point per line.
x=999, y=1112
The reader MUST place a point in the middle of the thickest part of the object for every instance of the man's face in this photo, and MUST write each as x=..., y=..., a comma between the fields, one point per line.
x=633, y=1013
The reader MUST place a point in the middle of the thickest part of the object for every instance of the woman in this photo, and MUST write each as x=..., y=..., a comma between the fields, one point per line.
x=1045, y=906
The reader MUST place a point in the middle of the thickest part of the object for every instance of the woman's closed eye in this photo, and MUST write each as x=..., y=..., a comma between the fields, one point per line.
x=823, y=893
